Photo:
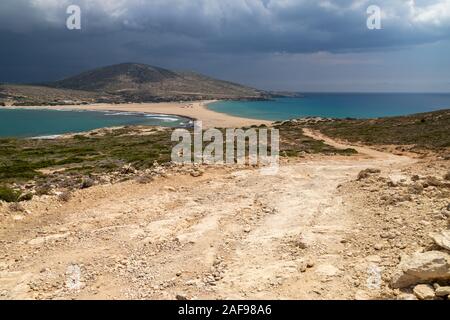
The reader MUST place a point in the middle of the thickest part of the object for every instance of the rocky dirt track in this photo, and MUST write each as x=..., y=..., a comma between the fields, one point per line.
x=317, y=230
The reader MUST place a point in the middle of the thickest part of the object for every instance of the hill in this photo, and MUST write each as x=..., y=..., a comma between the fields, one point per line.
x=140, y=82
x=128, y=82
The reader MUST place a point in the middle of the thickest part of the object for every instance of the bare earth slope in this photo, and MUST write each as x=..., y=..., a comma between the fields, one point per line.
x=231, y=233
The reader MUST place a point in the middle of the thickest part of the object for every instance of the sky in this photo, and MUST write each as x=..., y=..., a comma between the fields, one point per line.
x=294, y=45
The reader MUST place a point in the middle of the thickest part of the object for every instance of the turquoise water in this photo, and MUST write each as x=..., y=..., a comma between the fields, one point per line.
x=335, y=105
x=32, y=123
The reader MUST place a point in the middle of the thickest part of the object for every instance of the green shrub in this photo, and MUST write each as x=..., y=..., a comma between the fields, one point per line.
x=9, y=195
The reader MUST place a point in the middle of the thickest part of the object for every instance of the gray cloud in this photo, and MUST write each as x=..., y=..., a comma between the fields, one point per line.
x=204, y=33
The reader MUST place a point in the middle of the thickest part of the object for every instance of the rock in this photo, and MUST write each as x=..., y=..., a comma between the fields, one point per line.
x=442, y=239
x=404, y=198
x=420, y=268
x=415, y=178
x=407, y=296
x=144, y=179
x=181, y=297
x=16, y=207
x=442, y=291
x=327, y=270
x=424, y=292
x=25, y=197
x=362, y=296
x=374, y=259
x=431, y=181
x=128, y=169
x=87, y=183
x=416, y=188
x=447, y=176
x=378, y=246
x=65, y=196
x=301, y=242
x=196, y=173
x=364, y=174
x=392, y=184
x=310, y=263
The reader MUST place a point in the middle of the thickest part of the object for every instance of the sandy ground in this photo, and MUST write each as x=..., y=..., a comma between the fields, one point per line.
x=231, y=233
x=195, y=110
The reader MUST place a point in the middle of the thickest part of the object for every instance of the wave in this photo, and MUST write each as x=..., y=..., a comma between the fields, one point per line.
x=162, y=117
x=167, y=118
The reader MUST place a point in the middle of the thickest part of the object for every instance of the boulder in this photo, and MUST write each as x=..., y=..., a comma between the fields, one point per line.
x=442, y=239
x=424, y=292
x=421, y=268
x=442, y=291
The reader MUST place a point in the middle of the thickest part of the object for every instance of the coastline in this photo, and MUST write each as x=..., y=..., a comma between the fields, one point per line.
x=196, y=110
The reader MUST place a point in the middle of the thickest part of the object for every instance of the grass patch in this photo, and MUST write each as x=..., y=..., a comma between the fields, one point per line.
x=9, y=195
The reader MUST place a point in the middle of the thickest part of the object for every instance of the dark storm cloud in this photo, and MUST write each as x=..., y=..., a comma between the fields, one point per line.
x=37, y=45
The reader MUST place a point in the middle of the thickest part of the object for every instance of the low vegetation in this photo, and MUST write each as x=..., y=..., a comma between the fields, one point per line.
x=425, y=131
x=25, y=159
x=294, y=143
x=78, y=160
x=9, y=195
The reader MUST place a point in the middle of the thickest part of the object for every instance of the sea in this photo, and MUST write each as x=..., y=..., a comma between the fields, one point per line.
x=336, y=105
x=42, y=122
x=24, y=123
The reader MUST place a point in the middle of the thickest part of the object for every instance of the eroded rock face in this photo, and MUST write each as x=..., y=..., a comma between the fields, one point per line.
x=420, y=268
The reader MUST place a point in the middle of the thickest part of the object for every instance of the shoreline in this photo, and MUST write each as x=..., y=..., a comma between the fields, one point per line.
x=196, y=110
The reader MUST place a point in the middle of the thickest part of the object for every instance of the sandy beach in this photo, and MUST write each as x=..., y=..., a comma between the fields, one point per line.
x=196, y=110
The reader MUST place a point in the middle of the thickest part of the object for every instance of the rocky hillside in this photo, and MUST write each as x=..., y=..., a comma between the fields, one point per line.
x=127, y=82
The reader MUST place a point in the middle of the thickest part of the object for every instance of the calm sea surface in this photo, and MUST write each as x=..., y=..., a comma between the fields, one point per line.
x=336, y=106
x=32, y=123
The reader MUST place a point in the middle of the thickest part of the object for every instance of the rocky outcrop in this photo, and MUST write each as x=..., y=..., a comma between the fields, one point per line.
x=422, y=268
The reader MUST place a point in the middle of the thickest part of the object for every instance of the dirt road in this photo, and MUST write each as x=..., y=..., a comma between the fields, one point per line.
x=231, y=233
